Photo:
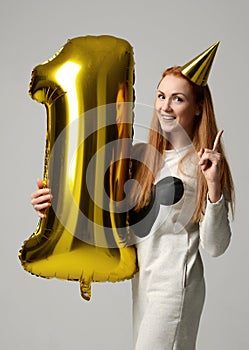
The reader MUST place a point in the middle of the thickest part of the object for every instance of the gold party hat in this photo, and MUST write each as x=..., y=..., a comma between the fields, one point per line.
x=197, y=70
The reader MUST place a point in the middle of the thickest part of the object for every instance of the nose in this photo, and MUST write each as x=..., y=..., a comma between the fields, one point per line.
x=166, y=105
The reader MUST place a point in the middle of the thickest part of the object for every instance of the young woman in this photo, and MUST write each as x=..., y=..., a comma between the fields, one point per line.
x=169, y=290
x=181, y=194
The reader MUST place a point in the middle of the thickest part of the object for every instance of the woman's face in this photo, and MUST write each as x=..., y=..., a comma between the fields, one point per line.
x=175, y=105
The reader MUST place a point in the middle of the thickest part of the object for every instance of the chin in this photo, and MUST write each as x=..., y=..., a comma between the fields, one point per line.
x=168, y=127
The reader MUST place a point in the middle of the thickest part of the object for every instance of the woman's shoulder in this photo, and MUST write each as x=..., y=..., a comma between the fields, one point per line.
x=137, y=154
x=138, y=149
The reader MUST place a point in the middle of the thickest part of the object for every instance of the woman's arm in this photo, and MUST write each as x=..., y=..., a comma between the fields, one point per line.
x=215, y=231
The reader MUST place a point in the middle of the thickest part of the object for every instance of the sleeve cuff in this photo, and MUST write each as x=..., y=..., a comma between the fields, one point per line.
x=220, y=201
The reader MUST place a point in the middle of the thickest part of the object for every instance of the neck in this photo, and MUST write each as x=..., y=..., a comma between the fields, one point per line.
x=177, y=140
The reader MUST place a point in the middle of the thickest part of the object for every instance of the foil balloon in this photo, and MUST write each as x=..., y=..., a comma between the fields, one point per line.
x=87, y=89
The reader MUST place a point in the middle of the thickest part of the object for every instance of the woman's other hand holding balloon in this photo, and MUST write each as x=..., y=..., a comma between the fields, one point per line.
x=41, y=198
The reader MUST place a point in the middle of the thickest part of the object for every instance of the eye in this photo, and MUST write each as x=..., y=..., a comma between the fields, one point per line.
x=177, y=99
x=161, y=96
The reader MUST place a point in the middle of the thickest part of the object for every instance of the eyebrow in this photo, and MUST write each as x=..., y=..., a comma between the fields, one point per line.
x=174, y=93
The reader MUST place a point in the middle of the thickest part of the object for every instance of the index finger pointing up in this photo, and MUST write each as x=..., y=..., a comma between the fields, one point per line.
x=217, y=140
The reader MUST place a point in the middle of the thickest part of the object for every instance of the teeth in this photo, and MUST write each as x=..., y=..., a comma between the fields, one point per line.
x=168, y=117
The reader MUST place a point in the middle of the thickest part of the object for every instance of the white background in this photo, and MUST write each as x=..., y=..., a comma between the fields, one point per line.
x=49, y=314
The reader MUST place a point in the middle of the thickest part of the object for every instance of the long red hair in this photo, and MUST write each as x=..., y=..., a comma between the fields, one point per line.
x=204, y=133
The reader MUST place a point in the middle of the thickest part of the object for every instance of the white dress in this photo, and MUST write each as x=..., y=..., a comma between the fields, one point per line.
x=169, y=290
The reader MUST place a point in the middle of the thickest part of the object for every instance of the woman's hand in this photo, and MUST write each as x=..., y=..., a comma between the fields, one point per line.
x=210, y=162
x=40, y=199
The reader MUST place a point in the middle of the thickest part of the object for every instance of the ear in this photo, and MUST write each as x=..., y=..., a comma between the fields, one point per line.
x=198, y=109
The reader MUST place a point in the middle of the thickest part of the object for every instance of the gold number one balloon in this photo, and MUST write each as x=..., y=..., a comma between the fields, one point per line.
x=87, y=89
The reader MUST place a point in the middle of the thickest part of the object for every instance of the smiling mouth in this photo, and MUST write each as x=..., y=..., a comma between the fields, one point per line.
x=168, y=117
